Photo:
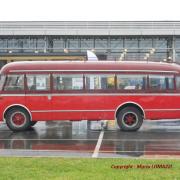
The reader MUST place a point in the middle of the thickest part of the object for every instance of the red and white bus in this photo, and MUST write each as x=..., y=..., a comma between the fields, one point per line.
x=128, y=92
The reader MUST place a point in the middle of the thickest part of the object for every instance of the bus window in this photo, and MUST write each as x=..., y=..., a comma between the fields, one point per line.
x=2, y=80
x=178, y=82
x=170, y=81
x=100, y=81
x=67, y=82
x=38, y=82
x=14, y=82
x=161, y=82
x=131, y=82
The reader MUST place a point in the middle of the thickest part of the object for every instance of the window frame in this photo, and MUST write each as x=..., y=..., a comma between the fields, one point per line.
x=3, y=81
x=73, y=91
x=13, y=91
x=132, y=90
x=167, y=89
x=178, y=90
x=113, y=90
x=28, y=91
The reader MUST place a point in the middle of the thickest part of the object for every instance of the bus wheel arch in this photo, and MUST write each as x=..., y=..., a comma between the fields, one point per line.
x=16, y=106
x=126, y=110
x=17, y=117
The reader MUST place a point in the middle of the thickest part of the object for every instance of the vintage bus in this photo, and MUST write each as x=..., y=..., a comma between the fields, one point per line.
x=129, y=92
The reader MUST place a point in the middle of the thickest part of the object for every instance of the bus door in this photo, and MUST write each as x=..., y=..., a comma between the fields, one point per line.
x=38, y=96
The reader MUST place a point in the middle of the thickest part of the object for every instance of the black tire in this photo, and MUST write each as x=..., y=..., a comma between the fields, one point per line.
x=18, y=119
x=32, y=123
x=129, y=119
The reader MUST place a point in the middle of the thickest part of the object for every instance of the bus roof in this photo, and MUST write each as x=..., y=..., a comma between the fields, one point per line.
x=74, y=66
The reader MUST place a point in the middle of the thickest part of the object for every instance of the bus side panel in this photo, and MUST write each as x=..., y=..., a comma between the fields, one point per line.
x=94, y=107
x=74, y=107
x=154, y=106
x=40, y=107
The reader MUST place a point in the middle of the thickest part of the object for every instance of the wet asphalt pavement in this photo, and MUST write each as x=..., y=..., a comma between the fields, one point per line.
x=80, y=139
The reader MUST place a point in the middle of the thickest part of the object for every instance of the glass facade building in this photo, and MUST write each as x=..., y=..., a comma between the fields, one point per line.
x=124, y=41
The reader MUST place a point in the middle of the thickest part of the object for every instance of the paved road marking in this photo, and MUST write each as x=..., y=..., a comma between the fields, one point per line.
x=98, y=145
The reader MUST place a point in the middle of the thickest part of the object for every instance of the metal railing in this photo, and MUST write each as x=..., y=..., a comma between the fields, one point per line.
x=147, y=54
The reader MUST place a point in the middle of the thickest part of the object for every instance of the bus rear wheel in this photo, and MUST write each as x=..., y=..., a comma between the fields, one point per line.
x=129, y=119
x=17, y=119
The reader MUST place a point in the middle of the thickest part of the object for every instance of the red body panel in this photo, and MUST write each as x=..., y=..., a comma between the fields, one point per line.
x=35, y=103
x=73, y=107
x=7, y=101
x=107, y=106
x=78, y=107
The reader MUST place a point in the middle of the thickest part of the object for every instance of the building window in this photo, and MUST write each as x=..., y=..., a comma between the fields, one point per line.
x=19, y=45
x=160, y=43
x=116, y=44
x=101, y=44
x=131, y=44
x=3, y=45
x=145, y=43
x=87, y=43
x=58, y=44
x=37, y=44
x=73, y=44
x=10, y=43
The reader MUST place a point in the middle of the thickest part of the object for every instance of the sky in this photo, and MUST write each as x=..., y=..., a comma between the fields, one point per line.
x=89, y=10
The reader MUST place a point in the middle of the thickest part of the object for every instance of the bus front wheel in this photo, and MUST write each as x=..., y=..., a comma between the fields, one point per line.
x=17, y=119
x=129, y=119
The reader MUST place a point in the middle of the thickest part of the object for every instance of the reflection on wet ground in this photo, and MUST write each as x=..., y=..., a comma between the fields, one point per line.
x=79, y=139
